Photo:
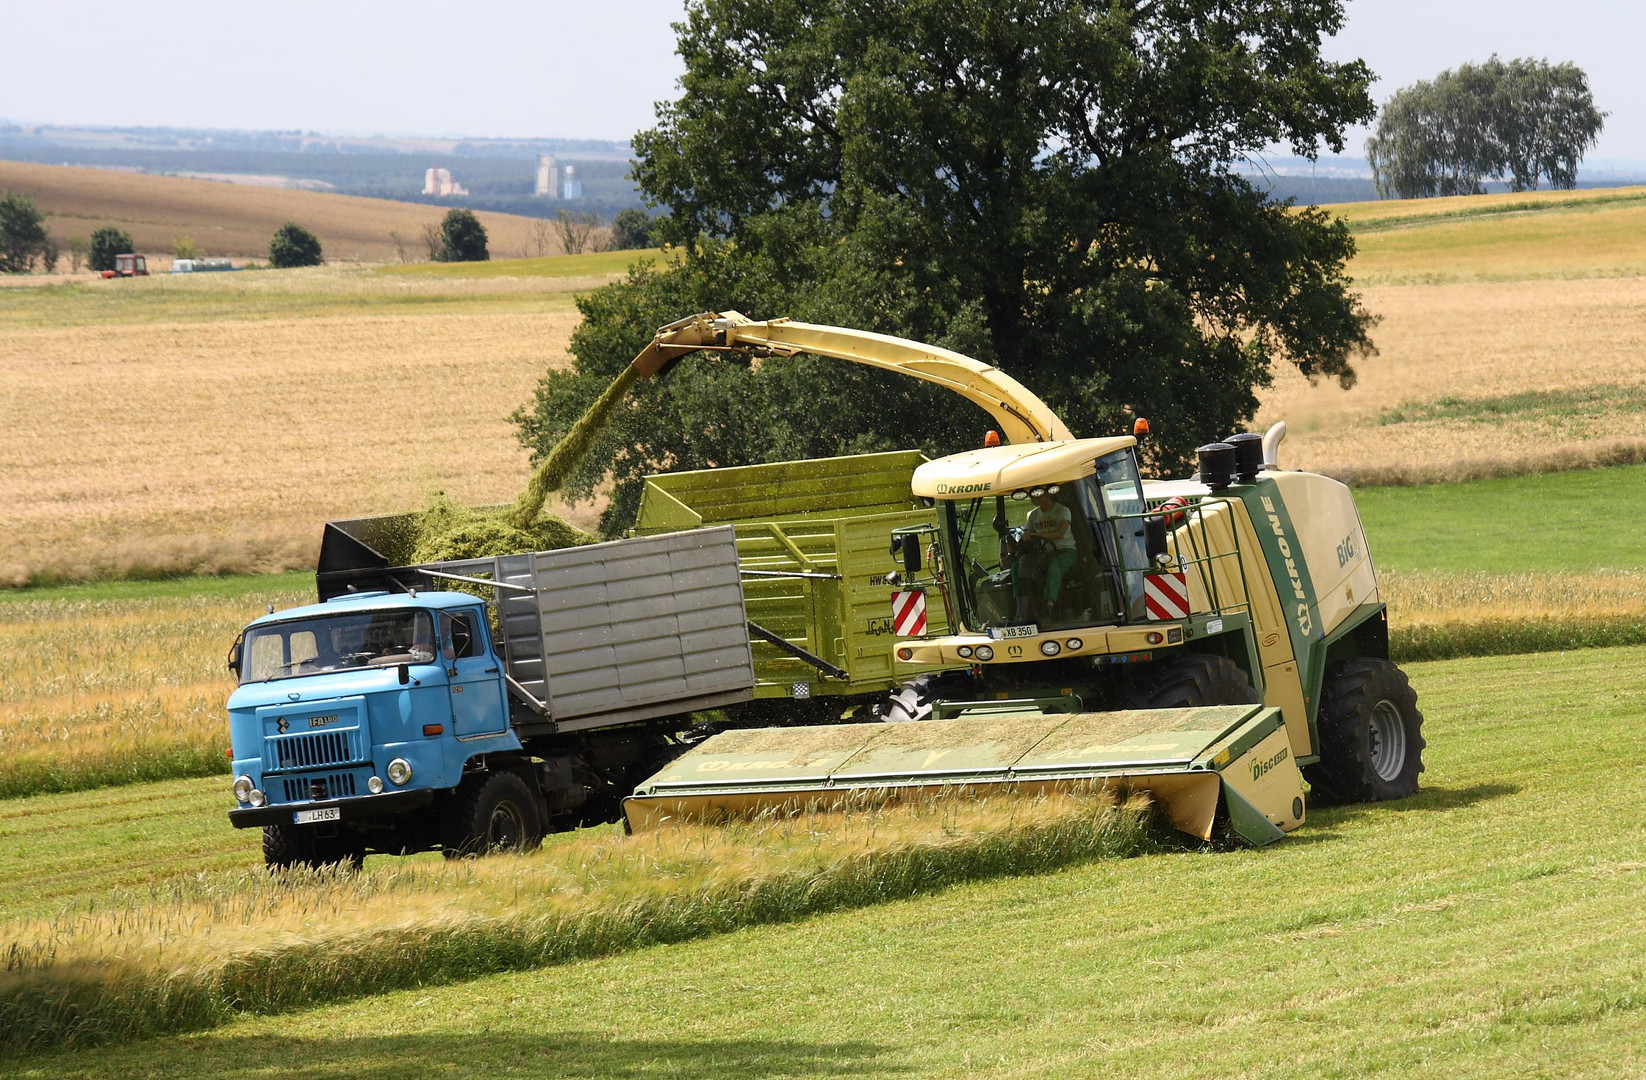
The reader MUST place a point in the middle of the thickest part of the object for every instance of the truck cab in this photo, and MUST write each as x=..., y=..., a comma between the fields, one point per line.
x=363, y=706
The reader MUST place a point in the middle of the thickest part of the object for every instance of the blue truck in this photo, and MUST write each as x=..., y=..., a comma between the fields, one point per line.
x=467, y=705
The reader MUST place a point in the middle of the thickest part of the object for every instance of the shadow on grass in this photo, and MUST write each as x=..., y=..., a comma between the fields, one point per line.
x=574, y=1055
x=1322, y=820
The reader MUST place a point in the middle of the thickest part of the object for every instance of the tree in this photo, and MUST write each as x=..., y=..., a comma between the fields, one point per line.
x=631, y=228
x=293, y=245
x=1519, y=121
x=77, y=253
x=1045, y=185
x=576, y=231
x=184, y=247
x=22, y=233
x=106, y=243
x=49, y=254
x=462, y=238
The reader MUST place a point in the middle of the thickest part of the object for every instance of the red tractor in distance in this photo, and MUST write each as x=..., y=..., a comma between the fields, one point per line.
x=128, y=266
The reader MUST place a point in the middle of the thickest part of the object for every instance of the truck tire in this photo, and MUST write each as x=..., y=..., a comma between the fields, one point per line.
x=1189, y=680
x=492, y=811
x=286, y=846
x=1371, y=735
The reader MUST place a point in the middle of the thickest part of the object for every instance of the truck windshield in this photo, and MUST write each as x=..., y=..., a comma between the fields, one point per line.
x=337, y=643
x=1050, y=559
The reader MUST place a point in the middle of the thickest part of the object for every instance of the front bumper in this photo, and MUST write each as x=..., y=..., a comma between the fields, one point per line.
x=353, y=809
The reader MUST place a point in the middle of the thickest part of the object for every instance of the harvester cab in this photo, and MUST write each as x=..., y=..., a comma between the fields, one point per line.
x=1202, y=639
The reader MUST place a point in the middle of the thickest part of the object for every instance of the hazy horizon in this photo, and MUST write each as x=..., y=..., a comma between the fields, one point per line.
x=572, y=71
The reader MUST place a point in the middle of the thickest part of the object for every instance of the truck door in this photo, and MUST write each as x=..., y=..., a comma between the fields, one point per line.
x=473, y=671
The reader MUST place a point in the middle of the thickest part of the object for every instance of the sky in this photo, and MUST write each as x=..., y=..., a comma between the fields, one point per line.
x=595, y=68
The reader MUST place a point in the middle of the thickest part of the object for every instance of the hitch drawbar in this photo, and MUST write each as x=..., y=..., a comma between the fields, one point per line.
x=1191, y=761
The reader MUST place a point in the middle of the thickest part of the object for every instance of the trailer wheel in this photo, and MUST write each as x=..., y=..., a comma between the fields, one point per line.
x=1371, y=735
x=285, y=846
x=1189, y=680
x=493, y=811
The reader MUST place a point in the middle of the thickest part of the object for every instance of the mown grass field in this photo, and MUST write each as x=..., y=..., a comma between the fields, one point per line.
x=1483, y=928
x=234, y=219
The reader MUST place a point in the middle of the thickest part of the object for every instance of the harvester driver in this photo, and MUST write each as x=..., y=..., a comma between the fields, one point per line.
x=1049, y=522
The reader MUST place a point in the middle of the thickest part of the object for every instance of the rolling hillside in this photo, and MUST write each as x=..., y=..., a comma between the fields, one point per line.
x=237, y=220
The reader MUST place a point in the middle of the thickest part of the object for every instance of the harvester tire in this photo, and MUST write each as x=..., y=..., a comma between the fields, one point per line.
x=1189, y=680
x=911, y=702
x=1371, y=735
x=491, y=811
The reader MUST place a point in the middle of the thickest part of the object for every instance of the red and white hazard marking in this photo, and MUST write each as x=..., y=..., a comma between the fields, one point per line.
x=909, y=613
x=1166, y=596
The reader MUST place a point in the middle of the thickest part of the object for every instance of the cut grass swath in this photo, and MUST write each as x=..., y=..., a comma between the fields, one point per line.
x=251, y=944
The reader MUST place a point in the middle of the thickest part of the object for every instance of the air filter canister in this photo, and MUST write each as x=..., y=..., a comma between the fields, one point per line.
x=1217, y=464
x=1248, y=455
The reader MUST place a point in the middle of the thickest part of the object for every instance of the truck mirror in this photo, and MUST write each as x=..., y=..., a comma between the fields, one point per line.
x=234, y=655
x=911, y=554
x=405, y=674
x=1154, y=537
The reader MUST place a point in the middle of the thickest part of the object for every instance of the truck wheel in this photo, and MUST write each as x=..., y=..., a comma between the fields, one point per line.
x=1371, y=735
x=910, y=702
x=285, y=846
x=491, y=812
x=1189, y=680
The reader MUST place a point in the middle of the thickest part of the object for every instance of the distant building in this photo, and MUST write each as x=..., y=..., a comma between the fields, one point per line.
x=440, y=182
x=548, y=177
x=572, y=188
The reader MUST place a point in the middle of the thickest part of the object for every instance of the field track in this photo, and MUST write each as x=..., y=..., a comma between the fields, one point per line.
x=1483, y=928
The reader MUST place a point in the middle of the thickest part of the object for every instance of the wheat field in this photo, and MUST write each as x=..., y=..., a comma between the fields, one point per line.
x=235, y=219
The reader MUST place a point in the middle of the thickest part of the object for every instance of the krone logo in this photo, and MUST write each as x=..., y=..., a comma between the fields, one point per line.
x=962, y=489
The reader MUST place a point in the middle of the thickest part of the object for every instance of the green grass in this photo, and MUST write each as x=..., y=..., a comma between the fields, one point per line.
x=1488, y=927
x=227, y=585
x=1365, y=217
x=1570, y=521
x=1569, y=408
x=598, y=263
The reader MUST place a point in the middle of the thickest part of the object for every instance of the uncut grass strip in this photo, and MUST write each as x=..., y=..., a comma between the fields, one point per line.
x=55, y=776
x=1511, y=636
x=79, y=1004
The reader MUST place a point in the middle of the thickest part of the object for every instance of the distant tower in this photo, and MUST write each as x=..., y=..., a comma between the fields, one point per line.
x=573, y=188
x=548, y=176
x=431, y=181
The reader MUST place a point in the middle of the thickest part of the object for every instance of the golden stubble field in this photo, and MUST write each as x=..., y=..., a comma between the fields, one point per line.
x=215, y=440
x=237, y=219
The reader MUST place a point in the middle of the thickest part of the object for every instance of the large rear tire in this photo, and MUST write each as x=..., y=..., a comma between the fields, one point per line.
x=493, y=811
x=1371, y=735
x=1189, y=680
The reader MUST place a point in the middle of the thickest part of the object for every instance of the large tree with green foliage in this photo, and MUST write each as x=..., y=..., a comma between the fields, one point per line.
x=22, y=233
x=1043, y=184
x=106, y=243
x=293, y=246
x=1519, y=121
x=462, y=238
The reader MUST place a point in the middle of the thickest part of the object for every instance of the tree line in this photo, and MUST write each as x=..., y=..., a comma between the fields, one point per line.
x=1521, y=122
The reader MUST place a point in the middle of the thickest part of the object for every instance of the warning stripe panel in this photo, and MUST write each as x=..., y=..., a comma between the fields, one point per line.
x=1166, y=596
x=909, y=613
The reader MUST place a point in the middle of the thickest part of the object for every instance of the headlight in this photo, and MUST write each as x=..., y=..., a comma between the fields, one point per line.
x=1075, y=644
x=1020, y=494
x=242, y=788
x=1050, y=648
x=375, y=785
x=255, y=798
x=1036, y=492
x=983, y=652
x=400, y=771
x=965, y=652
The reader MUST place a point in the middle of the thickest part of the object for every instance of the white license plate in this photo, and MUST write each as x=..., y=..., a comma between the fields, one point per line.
x=327, y=813
x=1000, y=633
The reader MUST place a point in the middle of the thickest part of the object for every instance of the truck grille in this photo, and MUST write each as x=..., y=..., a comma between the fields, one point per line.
x=315, y=751
x=338, y=786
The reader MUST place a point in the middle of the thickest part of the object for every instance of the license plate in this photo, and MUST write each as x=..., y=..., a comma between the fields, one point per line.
x=1001, y=633
x=326, y=813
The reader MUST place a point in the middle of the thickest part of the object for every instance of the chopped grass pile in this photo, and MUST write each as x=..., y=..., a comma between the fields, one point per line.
x=198, y=951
